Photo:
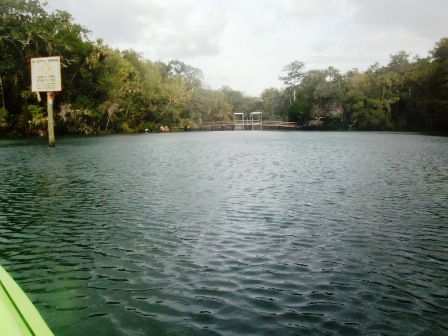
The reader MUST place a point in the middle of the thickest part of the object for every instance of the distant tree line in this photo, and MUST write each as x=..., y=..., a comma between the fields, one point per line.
x=404, y=95
x=105, y=90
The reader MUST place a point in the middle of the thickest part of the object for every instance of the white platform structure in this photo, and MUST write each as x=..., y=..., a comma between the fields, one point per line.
x=238, y=121
x=256, y=120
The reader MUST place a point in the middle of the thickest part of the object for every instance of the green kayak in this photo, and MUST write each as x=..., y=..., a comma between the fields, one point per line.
x=18, y=315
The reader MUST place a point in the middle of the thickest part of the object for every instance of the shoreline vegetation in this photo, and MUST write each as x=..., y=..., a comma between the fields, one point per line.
x=110, y=91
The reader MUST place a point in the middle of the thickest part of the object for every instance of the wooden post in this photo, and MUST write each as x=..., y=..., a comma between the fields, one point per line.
x=50, y=96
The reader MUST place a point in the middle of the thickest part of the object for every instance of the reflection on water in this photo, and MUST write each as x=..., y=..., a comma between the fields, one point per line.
x=223, y=233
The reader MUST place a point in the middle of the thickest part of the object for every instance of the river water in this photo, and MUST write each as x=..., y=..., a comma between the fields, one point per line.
x=230, y=233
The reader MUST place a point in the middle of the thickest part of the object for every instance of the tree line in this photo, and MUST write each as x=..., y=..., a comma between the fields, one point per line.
x=404, y=95
x=106, y=90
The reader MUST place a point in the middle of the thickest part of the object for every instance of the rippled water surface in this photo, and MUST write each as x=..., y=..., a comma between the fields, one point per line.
x=230, y=233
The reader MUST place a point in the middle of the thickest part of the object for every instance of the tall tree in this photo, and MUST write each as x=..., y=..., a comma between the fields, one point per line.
x=294, y=75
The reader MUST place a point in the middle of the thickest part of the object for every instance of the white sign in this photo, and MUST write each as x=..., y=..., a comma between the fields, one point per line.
x=46, y=74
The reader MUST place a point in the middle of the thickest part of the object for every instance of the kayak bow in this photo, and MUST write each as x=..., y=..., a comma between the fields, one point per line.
x=18, y=315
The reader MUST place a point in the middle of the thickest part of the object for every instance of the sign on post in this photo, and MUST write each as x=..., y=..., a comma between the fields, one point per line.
x=46, y=74
x=46, y=77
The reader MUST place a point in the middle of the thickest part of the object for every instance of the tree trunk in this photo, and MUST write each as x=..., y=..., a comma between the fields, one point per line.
x=3, y=93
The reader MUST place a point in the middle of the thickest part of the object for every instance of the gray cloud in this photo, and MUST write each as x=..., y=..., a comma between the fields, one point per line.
x=247, y=43
x=305, y=10
x=169, y=29
x=424, y=18
x=112, y=21
x=187, y=31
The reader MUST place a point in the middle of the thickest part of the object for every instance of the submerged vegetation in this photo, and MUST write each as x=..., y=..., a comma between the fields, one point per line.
x=106, y=90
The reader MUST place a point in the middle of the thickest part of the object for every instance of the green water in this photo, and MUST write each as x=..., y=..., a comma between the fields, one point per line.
x=230, y=233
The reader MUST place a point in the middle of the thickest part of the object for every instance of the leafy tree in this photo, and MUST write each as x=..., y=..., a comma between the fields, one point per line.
x=190, y=75
x=209, y=105
x=300, y=111
x=437, y=116
x=239, y=101
x=364, y=101
x=3, y=118
x=320, y=99
x=272, y=104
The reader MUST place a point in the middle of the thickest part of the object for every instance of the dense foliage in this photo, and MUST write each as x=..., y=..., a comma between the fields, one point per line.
x=113, y=91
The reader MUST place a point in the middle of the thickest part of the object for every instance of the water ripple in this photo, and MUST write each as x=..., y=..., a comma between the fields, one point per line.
x=224, y=233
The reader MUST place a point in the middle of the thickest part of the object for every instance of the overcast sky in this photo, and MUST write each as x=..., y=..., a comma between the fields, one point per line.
x=245, y=44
